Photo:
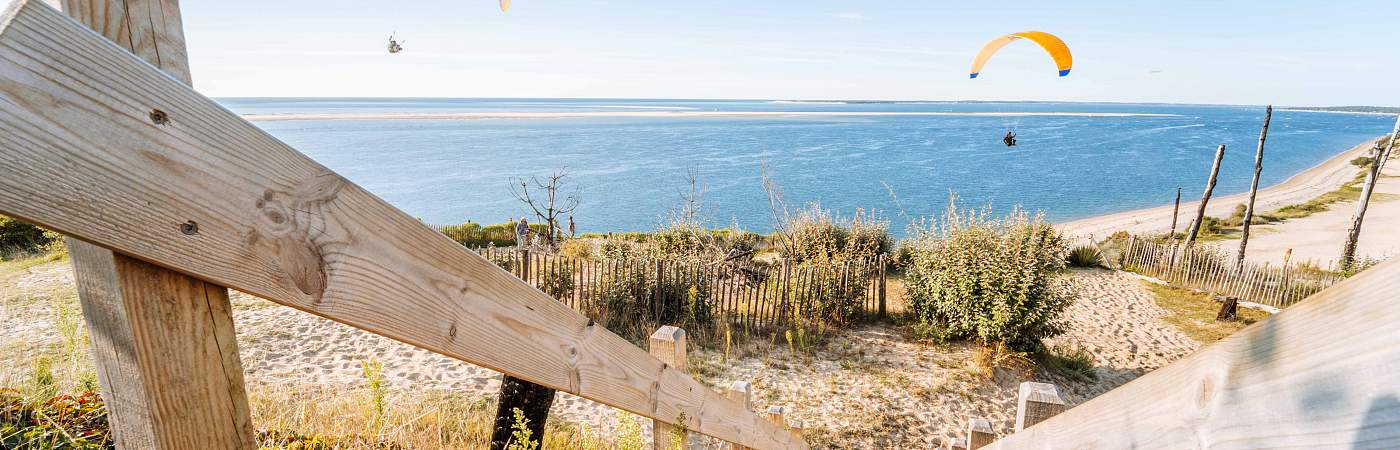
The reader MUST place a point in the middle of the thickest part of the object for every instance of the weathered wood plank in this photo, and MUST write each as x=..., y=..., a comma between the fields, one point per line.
x=165, y=359
x=1321, y=374
x=80, y=153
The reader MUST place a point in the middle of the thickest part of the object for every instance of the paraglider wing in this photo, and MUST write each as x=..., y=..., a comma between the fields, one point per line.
x=1052, y=45
x=505, y=4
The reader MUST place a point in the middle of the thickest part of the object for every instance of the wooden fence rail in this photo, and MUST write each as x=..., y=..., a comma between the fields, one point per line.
x=100, y=145
x=1208, y=269
x=1320, y=374
x=754, y=297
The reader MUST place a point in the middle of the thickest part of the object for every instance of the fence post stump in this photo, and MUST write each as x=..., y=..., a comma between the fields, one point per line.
x=668, y=345
x=979, y=433
x=778, y=415
x=740, y=391
x=531, y=399
x=1036, y=402
x=957, y=444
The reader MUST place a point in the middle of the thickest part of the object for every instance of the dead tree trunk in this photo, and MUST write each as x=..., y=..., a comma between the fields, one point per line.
x=1205, y=197
x=1254, y=186
x=1379, y=157
x=532, y=400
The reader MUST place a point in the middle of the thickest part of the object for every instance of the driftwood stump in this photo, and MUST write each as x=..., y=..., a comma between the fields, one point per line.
x=1228, y=309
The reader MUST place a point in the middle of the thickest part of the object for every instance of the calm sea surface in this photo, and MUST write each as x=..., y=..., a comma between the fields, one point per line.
x=630, y=171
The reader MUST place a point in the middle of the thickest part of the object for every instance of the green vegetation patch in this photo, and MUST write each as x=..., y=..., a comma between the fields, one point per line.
x=1194, y=313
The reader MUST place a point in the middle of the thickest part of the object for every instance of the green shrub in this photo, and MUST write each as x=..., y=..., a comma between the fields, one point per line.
x=632, y=298
x=1073, y=362
x=474, y=235
x=1361, y=161
x=991, y=280
x=19, y=237
x=816, y=233
x=1085, y=256
x=577, y=249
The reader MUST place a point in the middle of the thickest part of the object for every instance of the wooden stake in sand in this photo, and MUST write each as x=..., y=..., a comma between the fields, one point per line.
x=1378, y=160
x=1254, y=186
x=1176, y=209
x=1205, y=197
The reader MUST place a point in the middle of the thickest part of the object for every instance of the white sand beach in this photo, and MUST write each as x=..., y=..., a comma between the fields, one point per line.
x=672, y=114
x=1299, y=188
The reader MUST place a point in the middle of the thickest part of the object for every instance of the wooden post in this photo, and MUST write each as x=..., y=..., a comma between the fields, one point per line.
x=1377, y=165
x=1253, y=187
x=1036, y=402
x=957, y=444
x=1205, y=197
x=1176, y=210
x=531, y=399
x=162, y=342
x=778, y=415
x=742, y=392
x=668, y=345
x=882, y=286
x=979, y=433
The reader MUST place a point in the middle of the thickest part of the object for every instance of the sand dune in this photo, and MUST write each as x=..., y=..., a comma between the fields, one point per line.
x=585, y=114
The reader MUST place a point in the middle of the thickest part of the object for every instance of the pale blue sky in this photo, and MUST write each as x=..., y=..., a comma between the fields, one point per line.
x=1255, y=52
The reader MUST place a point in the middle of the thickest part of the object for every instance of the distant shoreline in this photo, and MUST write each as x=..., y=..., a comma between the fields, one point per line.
x=682, y=114
x=1299, y=188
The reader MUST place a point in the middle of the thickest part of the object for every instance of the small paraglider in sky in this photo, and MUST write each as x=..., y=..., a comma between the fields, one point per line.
x=505, y=4
x=394, y=46
x=1052, y=45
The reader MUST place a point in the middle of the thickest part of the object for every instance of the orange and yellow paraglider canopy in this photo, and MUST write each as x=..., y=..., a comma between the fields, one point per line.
x=1052, y=45
x=505, y=4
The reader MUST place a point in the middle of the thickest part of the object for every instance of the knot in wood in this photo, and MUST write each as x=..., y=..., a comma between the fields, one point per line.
x=189, y=228
x=159, y=117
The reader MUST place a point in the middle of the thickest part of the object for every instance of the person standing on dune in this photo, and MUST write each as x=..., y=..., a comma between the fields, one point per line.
x=522, y=233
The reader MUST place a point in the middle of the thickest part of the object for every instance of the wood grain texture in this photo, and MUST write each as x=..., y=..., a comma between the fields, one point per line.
x=163, y=346
x=162, y=342
x=79, y=153
x=1321, y=374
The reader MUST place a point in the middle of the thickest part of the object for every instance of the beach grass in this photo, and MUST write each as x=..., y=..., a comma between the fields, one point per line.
x=1194, y=313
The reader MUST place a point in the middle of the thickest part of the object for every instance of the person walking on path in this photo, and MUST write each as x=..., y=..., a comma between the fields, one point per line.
x=573, y=229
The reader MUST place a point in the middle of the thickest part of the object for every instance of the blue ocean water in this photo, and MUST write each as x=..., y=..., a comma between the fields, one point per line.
x=632, y=170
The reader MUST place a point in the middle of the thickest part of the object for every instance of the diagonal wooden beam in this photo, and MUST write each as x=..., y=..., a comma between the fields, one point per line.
x=100, y=145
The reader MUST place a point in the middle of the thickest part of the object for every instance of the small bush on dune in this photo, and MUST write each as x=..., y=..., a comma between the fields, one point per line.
x=989, y=280
x=1085, y=256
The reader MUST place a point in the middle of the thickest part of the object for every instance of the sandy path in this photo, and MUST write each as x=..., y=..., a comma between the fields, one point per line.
x=874, y=388
x=1319, y=237
x=583, y=114
x=1300, y=188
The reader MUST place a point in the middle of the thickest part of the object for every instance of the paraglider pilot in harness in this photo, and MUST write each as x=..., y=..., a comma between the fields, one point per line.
x=394, y=46
x=1010, y=139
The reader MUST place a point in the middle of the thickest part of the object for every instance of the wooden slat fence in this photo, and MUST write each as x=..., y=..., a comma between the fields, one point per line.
x=1208, y=269
x=754, y=297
